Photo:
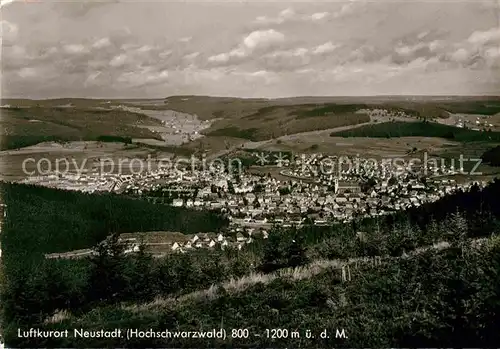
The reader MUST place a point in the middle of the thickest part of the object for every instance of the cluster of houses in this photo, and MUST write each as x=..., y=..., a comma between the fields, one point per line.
x=198, y=241
x=477, y=124
x=310, y=196
x=181, y=127
x=221, y=241
x=384, y=113
x=265, y=200
x=87, y=182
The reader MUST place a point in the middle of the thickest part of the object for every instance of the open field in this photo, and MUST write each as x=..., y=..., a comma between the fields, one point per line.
x=419, y=129
x=248, y=119
x=384, y=148
x=279, y=121
x=81, y=155
x=22, y=127
x=152, y=237
x=367, y=147
x=176, y=127
x=217, y=146
x=293, y=124
x=432, y=106
x=259, y=119
x=210, y=107
x=480, y=121
x=155, y=242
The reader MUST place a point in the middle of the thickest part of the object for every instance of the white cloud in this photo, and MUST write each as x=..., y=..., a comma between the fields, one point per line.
x=4, y=3
x=284, y=49
x=261, y=19
x=290, y=15
x=144, y=49
x=319, y=15
x=484, y=37
x=165, y=54
x=197, y=76
x=434, y=45
x=492, y=55
x=144, y=76
x=191, y=55
x=325, y=48
x=15, y=52
x=118, y=61
x=420, y=63
x=102, y=43
x=285, y=60
x=345, y=10
x=256, y=40
x=409, y=50
x=8, y=30
x=492, y=52
x=269, y=77
x=261, y=75
x=423, y=35
x=267, y=20
x=238, y=52
x=220, y=58
x=404, y=50
x=460, y=55
x=298, y=52
x=286, y=14
x=74, y=49
x=127, y=47
x=260, y=38
x=92, y=78
x=305, y=71
x=27, y=73
x=163, y=74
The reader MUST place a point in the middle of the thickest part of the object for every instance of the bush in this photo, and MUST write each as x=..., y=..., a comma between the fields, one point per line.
x=284, y=250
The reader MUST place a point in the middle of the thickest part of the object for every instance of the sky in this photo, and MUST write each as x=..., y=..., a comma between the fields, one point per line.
x=132, y=49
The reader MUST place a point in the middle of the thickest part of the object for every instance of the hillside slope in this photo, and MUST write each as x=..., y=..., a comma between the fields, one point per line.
x=438, y=296
x=22, y=127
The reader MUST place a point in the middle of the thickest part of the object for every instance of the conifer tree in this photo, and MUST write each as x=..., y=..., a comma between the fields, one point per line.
x=106, y=275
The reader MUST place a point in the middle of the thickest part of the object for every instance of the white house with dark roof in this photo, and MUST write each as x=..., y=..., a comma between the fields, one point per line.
x=177, y=202
x=240, y=237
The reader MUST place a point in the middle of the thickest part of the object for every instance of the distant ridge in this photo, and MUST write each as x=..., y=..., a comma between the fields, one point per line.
x=330, y=98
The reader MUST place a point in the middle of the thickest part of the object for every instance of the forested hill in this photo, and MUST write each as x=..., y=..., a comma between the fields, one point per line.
x=44, y=220
x=478, y=205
